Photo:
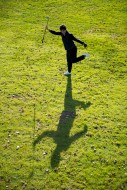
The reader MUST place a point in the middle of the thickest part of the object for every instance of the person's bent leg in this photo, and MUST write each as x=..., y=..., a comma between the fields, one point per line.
x=73, y=54
x=80, y=58
x=74, y=58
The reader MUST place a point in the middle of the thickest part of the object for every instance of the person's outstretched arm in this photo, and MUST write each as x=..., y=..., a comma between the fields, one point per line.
x=53, y=32
x=77, y=40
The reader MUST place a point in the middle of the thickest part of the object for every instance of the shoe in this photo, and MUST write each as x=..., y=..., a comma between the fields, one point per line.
x=67, y=73
x=86, y=55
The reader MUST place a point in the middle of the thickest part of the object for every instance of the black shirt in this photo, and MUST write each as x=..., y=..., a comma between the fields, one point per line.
x=67, y=39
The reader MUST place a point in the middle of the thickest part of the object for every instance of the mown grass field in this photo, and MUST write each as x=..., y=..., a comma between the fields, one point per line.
x=57, y=132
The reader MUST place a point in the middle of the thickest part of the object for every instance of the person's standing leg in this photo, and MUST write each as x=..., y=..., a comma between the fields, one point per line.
x=69, y=61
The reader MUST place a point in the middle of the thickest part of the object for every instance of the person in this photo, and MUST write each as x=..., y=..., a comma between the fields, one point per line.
x=70, y=47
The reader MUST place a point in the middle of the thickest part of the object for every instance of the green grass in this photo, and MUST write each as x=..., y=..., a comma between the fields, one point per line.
x=58, y=132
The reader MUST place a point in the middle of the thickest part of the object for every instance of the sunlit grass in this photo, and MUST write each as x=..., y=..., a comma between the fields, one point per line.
x=59, y=132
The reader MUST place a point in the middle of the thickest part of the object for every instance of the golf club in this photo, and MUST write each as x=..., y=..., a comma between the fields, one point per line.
x=45, y=29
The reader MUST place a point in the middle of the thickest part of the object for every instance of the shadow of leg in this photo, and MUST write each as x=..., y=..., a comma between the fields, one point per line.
x=55, y=159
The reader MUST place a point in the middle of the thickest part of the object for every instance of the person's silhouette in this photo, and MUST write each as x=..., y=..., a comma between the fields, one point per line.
x=61, y=137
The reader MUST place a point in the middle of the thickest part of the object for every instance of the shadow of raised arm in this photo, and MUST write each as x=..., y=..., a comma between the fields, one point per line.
x=43, y=135
x=82, y=104
x=78, y=135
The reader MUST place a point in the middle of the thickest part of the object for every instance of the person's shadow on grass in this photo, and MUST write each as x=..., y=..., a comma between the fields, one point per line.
x=61, y=137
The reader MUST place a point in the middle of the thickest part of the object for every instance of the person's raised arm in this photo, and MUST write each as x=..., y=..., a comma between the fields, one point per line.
x=52, y=31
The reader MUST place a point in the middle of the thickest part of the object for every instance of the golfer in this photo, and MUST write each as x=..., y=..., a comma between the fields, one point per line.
x=71, y=49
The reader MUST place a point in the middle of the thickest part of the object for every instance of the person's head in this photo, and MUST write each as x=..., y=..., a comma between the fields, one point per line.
x=63, y=29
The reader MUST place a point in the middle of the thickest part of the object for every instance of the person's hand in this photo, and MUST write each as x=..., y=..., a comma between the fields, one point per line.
x=85, y=45
x=47, y=27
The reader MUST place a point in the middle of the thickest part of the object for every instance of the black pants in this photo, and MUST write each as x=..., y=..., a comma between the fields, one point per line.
x=72, y=58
